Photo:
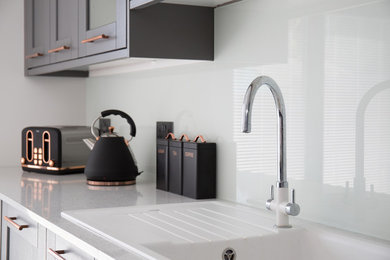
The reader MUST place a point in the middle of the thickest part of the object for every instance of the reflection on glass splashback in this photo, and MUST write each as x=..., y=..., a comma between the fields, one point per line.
x=101, y=12
x=356, y=61
x=336, y=86
x=331, y=60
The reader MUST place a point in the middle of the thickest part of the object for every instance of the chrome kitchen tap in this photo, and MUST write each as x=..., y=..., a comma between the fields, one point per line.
x=281, y=204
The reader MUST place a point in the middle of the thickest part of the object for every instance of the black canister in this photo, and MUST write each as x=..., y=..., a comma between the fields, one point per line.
x=199, y=169
x=175, y=164
x=162, y=164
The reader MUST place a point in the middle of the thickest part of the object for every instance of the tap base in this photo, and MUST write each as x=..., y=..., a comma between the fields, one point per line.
x=284, y=227
x=281, y=200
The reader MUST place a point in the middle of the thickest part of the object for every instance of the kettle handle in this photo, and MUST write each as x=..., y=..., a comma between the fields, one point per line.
x=124, y=115
x=116, y=112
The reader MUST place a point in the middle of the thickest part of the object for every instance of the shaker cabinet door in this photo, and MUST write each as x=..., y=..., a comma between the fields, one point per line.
x=22, y=238
x=58, y=247
x=37, y=22
x=63, y=30
x=102, y=26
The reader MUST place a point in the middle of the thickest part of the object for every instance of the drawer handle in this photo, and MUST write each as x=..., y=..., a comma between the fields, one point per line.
x=101, y=36
x=35, y=55
x=56, y=253
x=12, y=222
x=62, y=48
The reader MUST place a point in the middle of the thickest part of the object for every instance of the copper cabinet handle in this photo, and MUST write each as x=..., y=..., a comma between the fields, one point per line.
x=101, y=36
x=35, y=55
x=62, y=48
x=13, y=223
x=56, y=253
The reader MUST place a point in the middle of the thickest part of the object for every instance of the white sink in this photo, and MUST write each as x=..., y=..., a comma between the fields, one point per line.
x=203, y=230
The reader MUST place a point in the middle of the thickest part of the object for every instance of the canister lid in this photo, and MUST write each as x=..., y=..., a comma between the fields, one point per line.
x=162, y=141
x=175, y=143
x=198, y=146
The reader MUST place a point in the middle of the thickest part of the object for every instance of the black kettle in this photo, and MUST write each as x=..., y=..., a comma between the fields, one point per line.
x=111, y=161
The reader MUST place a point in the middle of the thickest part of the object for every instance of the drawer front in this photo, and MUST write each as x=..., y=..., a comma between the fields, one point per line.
x=63, y=249
x=20, y=224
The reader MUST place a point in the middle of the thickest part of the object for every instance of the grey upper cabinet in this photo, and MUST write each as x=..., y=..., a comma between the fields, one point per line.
x=102, y=26
x=63, y=30
x=64, y=37
x=37, y=24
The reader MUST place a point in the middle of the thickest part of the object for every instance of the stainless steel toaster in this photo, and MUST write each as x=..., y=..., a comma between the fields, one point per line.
x=55, y=150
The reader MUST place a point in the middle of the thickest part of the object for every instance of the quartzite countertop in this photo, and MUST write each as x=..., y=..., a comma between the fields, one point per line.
x=44, y=197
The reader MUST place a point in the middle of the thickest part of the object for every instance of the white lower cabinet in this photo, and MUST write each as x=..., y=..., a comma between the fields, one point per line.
x=59, y=249
x=23, y=238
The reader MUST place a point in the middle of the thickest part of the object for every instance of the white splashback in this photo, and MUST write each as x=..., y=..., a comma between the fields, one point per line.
x=331, y=60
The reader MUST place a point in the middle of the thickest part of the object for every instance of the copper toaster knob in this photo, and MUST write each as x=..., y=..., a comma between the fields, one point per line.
x=22, y=160
x=51, y=163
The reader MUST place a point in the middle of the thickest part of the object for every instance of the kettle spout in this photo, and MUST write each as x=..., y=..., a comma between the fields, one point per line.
x=90, y=142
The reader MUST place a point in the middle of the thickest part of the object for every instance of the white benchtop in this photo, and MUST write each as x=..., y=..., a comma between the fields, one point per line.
x=43, y=197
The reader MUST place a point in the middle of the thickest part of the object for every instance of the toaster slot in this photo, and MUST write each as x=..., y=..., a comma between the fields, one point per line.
x=46, y=146
x=29, y=145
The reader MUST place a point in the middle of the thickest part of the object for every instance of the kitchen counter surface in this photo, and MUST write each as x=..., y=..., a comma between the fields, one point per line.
x=44, y=197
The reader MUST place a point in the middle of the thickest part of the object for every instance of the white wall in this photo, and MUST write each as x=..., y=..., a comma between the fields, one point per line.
x=33, y=100
x=325, y=55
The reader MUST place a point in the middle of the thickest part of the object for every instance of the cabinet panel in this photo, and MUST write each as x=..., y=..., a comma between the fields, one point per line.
x=37, y=22
x=102, y=26
x=26, y=243
x=16, y=247
x=101, y=12
x=30, y=233
x=63, y=30
x=64, y=249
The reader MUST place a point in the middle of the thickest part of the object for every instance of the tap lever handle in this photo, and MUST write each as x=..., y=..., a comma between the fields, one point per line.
x=268, y=203
x=292, y=208
x=292, y=195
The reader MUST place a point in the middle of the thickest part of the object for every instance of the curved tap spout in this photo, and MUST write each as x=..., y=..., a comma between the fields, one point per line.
x=281, y=113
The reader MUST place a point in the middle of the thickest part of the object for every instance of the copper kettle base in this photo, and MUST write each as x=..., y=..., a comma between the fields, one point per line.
x=110, y=183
